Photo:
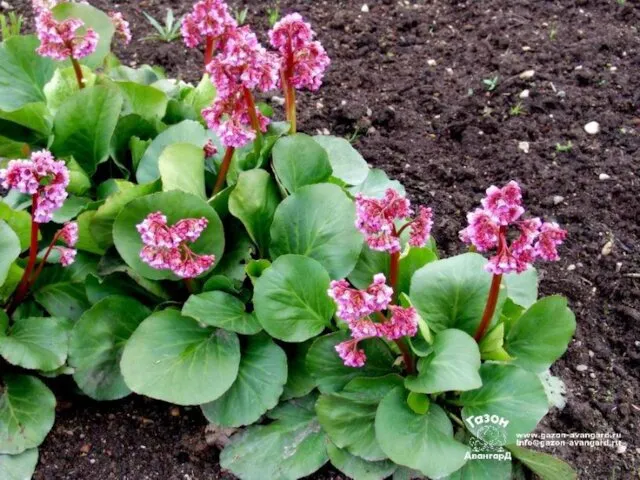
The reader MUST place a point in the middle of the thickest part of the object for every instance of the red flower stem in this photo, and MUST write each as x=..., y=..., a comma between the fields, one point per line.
x=394, y=272
x=44, y=259
x=224, y=169
x=405, y=226
x=189, y=284
x=255, y=122
x=407, y=356
x=208, y=52
x=490, y=307
x=289, y=99
x=78, y=70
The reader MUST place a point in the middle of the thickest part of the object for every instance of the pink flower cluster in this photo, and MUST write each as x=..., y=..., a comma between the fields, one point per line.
x=39, y=5
x=121, y=26
x=41, y=176
x=208, y=19
x=356, y=306
x=69, y=235
x=489, y=227
x=229, y=118
x=60, y=40
x=165, y=247
x=304, y=59
x=376, y=219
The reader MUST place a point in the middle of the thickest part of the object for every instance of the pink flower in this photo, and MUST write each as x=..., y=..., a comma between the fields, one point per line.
x=69, y=234
x=355, y=304
x=403, y=323
x=504, y=204
x=551, y=235
x=290, y=32
x=482, y=231
x=421, y=227
x=39, y=5
x=165, y=247
x=122, y=26
x=350, y=354
x=379, y=292
x=208, y=19
x=43, y=177
x=209, y=149
x=67, y=255
x=60, y=40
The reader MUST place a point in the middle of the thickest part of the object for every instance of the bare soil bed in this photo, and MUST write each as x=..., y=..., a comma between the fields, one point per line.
x=406, y=82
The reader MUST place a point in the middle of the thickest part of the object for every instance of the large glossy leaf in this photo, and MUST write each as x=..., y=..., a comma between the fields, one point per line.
x=422, y=442
x=253, y=201
x=522, y=288
x=332, y=375
x=300, y=382
x=176, y=205
x=452, y=293
x=348, y=416
x=546, y=466
x=509, y=393
x=453, y=364
x=483, y=469
x=9, y=249
x=376, y=183
x=291, y=300
x=97, y=343
x=181, y=167
x=358, y=468
x=19, y=467
x=63, y=298
x=172, y=358
x=31, y=123
x=23, y=73
x=84, y=124
x=143, y=100
x=346, y=162
x=318, y=221
x=64, y=84
x=541, y=335
x=292, y=447
x=36, y=343
x=220, y=309
x=298, y=161
x=260, y=382
x=27, y=411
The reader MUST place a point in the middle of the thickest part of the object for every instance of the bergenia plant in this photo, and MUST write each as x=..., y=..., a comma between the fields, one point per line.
x=177, y=241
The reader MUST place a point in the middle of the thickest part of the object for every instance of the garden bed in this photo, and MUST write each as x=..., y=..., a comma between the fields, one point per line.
x=406, y=82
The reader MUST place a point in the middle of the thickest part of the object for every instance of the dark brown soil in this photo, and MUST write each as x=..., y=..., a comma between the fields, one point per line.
x=406, y=80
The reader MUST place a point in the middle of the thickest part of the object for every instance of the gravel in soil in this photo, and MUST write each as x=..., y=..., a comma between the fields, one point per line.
x=406, y=83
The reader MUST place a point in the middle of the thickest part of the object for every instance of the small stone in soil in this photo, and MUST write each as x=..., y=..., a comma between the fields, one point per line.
x=604, y=176
x=607, y=248
x=558, y=199
x=527, y=74
x=571, y=267
x=431, y=62
x=524, y=93
x=581, y=368
x=592, y=128
x=524, y=146
x=621, y=448
x=365, y=8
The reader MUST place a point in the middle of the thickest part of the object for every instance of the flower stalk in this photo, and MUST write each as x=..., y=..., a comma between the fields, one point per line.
x=78, y=71
x=490, y=307
x=255, y=121
x=224, y=169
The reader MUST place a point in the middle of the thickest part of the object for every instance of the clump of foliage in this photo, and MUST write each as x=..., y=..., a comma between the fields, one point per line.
x=175, y=241
x=167, y=31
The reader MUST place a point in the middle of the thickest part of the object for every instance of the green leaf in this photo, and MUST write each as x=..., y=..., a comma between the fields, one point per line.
x=220, y=309
x=453, y=364
x=27, y=411
x=130, y=130
x=300, y=382
x=253, y=201
x=14, y=275
x=348, y=417
x=491, y=345
x=298, y=161
x=64, y=85
x=9, y=249
x=64, y=298
x=145, y=74
x=346, y=162
x=35, y=117
x=181, y=167
x=291, y=300
x=187, y=131
x=418, y=402
x=358, y=468
x=19, y=467
x=510, y=393
x=176, y=205
x=236, y=256
x=143, y=100
x=36, y=343
x=483, y=469
x=376, y=184
x=332, y=375
x=202, y=96
x=318, y=221
x=292, y=447
x=71, y=208
x=522, y=288
x=92, y=18
x=172, y=358
x=452, y=293
x=260, y=382
x=541, y=335
x=111, y=263
x=422, y=442
x=97, y=342
x=86, y=241
x=84, y=124
x=544, y=465
x=23, y=73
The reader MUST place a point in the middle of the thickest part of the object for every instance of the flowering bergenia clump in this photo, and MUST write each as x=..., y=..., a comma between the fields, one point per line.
x=61, y=40
x=490, y=225
x=43, y=177
x=121, y=26
x=165, y=247
x=208, y=20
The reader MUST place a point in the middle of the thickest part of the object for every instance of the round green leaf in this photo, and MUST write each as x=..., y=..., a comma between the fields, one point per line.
x=143, y=100
x=172, y=358
x=19, y=221
x=36, y=343
x=422, y=442
x=291, y=300
x=484, y=469
x=181, y=167
x=348, y=417
x=97, y=343
x=9, y=249
x=522, y=288
x=176, y=205
x=27, y=411
x=541, y=335
x=260, y=382
x=453, y=364
x=544, y=465
x=220, y=309
x=298, y=161
x=64, y=84
x=452, y=293
x=346, y=162
x=358, y=468
x=318, y=221
x=19, y=467
x=510, y=393
x=376, y=183
x=332, y=375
